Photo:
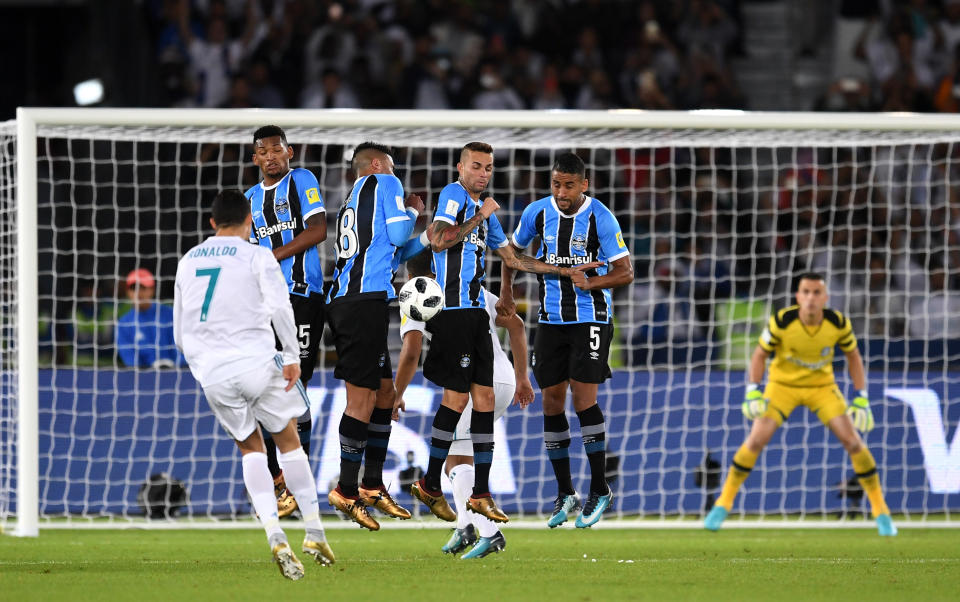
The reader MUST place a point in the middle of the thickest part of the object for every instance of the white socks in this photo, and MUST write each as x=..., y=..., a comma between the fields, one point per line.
x=259, y=483
x=462, y=477
x=300, y=482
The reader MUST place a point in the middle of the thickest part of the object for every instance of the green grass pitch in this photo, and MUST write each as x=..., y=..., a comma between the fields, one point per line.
x=566, y=564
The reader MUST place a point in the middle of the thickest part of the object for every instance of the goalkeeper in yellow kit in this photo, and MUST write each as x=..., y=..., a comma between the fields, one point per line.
x=803, y=338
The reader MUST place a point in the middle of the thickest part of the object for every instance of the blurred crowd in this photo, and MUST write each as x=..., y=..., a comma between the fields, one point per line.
x=442, y=54
x=881, y=224
x=911, y=56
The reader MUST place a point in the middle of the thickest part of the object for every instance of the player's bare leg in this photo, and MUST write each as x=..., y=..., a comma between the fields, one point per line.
x=353, y=439
x=866, y=468
x=556, y=438
x=743, y=461
x=372, y=490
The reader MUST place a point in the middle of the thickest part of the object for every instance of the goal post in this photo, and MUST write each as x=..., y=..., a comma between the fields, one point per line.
x=719, y=208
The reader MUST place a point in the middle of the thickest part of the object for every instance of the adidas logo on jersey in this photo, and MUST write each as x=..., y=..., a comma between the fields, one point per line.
x=554, y=259
x=265, y=231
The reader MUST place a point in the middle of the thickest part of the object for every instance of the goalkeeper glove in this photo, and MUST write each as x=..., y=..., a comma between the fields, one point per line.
x=754, y=405
x=859, y=412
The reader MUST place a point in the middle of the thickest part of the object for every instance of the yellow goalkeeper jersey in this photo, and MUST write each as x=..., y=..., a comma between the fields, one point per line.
x=803, y=356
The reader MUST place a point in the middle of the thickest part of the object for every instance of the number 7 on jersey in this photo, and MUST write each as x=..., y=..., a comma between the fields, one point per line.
x=212, y=274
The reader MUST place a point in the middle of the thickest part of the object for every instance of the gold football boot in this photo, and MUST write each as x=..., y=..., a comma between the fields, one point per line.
x=288, y=562
x=320, y=550
x=436, y=503
x=381, y=500
x=487, y=507
x=286, y=504
x=352, y=508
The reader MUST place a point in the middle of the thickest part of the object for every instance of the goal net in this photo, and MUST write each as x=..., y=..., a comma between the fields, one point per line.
x=720, y=212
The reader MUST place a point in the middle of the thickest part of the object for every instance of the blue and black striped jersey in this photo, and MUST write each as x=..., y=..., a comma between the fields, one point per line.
x=460, y=269
x=592, y=234
x=365, y=252
x=280, y=213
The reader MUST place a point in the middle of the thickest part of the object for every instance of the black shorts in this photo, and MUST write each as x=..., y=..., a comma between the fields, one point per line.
x=359, y=328
x=461, y=352
x=571, y=351
x=308, y=315
x=386, y=368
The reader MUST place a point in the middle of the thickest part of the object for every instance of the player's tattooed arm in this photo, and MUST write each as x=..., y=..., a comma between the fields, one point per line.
x=447, y=235
x=524, y=263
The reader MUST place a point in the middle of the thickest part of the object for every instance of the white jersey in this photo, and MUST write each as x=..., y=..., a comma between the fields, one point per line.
x=502, y=368
x=227, y=294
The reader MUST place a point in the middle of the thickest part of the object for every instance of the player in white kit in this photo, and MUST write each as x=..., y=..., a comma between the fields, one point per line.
x=510, y=383
x=228, y=292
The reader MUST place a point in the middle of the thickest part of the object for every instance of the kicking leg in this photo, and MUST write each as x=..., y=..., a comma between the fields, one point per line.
x=304, y=488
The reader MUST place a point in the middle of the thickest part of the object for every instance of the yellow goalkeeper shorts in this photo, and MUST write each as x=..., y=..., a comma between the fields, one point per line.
x=826, y=402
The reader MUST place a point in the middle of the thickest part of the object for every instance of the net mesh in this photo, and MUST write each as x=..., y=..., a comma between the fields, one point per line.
x=8, y=321
x=717, y=221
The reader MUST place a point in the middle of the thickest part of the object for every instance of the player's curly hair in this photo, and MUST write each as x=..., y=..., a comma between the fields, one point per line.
x=269, y=131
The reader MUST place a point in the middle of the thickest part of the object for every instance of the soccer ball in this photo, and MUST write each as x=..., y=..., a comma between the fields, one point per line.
x=421, y=298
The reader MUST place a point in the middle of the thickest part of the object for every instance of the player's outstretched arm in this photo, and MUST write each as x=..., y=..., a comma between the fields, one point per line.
x=525, y=263
x=620, y=274
x=314, y=234
x=406, y=367
x=523, y=396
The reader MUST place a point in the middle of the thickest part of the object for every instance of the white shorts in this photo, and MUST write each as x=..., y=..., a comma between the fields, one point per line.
x=503, y=396
x=257, y=395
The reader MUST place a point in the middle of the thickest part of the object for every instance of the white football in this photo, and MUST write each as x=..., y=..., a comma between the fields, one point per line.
x=421, y=298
